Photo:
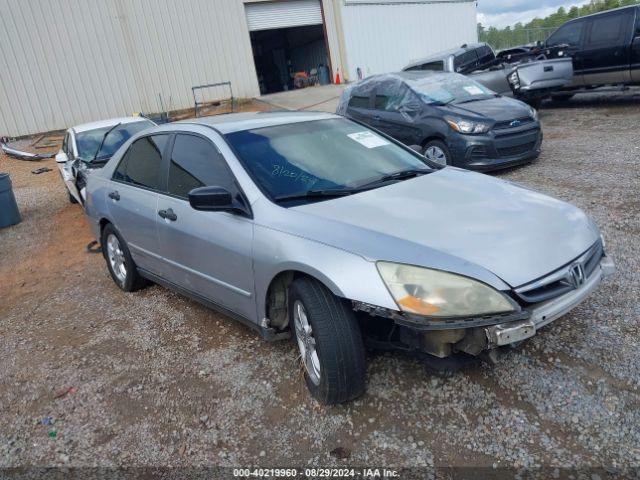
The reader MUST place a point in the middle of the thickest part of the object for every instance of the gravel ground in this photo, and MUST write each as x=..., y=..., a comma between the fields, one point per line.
x=92, y=376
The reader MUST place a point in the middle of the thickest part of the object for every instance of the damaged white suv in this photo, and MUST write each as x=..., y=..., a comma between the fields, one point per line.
x=89, y=146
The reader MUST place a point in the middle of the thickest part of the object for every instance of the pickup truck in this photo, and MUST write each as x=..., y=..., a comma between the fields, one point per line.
x=605, y=48
x=529, y=75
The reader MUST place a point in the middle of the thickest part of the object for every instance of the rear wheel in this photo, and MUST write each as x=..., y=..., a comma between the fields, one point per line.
x=437, y=152
x=561, y=97
x=329, y=340
x=119, y=262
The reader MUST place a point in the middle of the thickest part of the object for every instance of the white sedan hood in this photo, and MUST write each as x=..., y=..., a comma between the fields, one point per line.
x=518, y=234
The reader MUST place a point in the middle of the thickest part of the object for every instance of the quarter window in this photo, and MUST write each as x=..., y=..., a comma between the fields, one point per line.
x=195, y=162
x=437, y=66
x=141, y=164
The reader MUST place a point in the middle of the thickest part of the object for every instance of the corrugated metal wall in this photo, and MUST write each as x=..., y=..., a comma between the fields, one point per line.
x=64, y=62
x=384, y=36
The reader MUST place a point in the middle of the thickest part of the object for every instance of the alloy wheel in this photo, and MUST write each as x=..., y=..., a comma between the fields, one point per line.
x=306, y=342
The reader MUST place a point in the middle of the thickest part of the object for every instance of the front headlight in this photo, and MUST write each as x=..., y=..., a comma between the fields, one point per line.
x=467, y=126
x=534, y=113
x=436, y=293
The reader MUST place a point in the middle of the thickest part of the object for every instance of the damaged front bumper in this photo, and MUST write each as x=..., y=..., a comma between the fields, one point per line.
x=473, y=336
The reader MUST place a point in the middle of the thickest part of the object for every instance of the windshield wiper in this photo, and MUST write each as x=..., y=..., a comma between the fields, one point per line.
x=469, y=100
x=339, y=192
x=401, y=175
x=104, y=137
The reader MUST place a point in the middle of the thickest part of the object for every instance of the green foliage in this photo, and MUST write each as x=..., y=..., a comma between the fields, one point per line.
x=539, y=29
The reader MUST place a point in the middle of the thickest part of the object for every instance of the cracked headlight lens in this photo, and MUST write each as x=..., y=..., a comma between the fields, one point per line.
x=436, y=293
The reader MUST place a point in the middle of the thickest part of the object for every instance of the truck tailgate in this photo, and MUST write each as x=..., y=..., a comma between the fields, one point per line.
x=545, y=74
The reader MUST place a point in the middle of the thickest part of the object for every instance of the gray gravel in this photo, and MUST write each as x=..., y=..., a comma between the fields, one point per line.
x=160, y=380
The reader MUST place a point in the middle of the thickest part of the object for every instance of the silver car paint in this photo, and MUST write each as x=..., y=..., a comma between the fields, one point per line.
x=453, y=220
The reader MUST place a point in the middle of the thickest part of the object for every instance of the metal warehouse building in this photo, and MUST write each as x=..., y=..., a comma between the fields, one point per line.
x=64, y=62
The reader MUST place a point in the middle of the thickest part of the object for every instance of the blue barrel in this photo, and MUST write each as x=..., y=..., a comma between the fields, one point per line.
x=323, y=75
x=9, y=213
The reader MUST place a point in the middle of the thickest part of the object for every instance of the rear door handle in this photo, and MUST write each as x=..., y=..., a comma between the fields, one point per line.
x=376, y=118
x=168, y=214
x=114, y=196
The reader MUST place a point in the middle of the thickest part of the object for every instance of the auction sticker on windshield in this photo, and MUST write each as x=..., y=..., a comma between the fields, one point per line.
x=473, y=90
x=368, y=139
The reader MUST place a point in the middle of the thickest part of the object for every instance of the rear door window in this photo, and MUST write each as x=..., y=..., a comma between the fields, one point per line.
x=610, y=30
x=195, y=162
x=141, y=165
x=359, y=101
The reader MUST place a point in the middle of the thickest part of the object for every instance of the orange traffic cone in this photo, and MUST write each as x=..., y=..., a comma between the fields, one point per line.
x=337, y=77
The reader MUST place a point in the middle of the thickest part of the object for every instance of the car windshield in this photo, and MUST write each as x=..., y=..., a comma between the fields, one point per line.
x=89, y=142
x=323, y=155
x=450, y=89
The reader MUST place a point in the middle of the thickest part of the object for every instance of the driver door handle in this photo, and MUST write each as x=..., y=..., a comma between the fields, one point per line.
x=376, y=117
x=114, y=196
x=168, y=214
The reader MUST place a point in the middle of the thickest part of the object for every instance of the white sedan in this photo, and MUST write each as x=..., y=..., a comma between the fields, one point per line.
x=89, y=146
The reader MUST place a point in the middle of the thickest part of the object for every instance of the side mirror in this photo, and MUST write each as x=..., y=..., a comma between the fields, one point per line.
x=211, y=199
x=62, y=157
x=416, y=148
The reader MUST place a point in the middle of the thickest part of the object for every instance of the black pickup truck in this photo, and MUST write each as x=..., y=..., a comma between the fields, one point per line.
x=605, y=48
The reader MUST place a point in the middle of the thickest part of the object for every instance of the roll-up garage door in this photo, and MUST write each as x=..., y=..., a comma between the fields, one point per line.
x=283, y=14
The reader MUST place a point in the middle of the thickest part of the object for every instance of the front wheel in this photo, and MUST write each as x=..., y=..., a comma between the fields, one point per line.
x=437, y=152
x=329, y=340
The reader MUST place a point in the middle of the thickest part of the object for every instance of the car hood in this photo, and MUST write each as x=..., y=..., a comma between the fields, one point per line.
x=517, y=234
x=497, y=108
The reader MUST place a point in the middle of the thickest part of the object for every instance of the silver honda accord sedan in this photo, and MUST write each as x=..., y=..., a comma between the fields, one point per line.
x=315, y=227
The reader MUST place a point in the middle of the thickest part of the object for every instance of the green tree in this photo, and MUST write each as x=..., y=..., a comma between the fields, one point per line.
x=539, y=29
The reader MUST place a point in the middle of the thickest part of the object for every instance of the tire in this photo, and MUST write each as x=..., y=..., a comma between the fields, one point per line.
x=432, y=151
x=534, y=102
x=117, y=255
x=561, y=98
x=337, y=343
x=72, y=199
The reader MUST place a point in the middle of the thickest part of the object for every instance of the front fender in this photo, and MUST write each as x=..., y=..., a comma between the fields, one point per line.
x=346, y=274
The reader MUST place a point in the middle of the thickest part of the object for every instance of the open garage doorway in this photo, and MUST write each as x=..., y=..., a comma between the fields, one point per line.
x=289, y=44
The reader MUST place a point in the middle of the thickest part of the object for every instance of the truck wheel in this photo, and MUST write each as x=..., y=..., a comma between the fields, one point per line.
x=534, y=102
x=119, y=262
x=561, y=97
x=438, y=152
x=329, y=340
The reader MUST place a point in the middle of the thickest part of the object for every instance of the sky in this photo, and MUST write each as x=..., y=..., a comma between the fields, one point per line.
x=500, y=13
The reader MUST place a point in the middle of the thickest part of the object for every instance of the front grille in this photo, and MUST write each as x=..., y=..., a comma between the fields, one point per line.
x=560, y=281
x=515, y=123
x=516, y=149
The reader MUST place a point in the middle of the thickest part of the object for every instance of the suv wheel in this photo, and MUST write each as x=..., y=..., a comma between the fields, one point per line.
x=119, y=262
x=329, y=340
x=437, y=152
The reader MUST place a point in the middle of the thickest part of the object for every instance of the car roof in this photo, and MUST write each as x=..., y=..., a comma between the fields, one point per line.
x=445, y=53
x=106, y=123
x=595, y=14
x=235, y=122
